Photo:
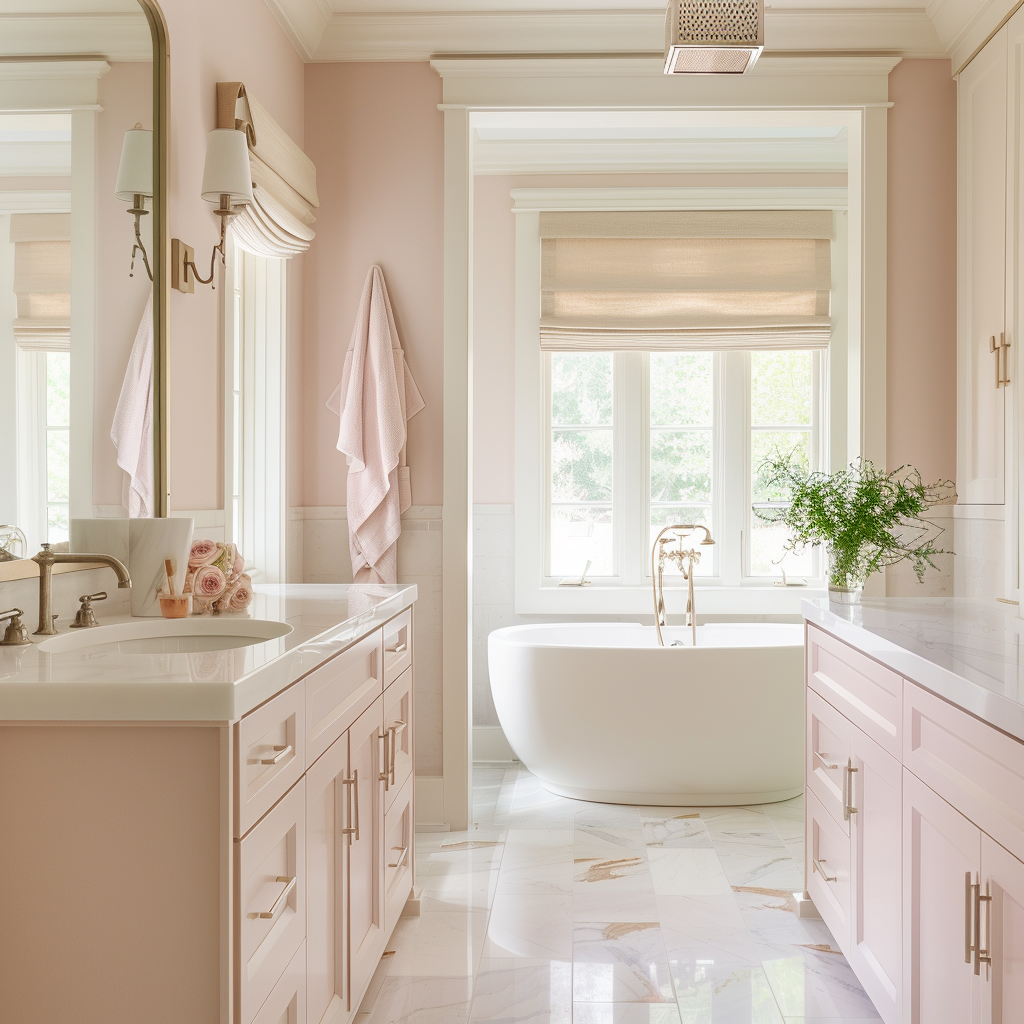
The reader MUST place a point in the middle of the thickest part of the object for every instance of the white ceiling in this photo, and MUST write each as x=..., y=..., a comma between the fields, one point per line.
x=327, y=30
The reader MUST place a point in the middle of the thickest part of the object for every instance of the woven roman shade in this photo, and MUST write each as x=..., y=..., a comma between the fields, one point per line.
x=280, y=222
x=42, y=280
x=671, y=281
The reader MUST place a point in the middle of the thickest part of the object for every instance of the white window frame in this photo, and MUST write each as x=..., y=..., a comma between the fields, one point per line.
x=260, y=318
x=732, y=590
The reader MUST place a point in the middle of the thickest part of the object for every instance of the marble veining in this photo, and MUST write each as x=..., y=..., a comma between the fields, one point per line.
x=553, y=911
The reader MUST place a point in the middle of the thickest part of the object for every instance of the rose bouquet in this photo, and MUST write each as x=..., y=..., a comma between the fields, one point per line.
x=215, y=579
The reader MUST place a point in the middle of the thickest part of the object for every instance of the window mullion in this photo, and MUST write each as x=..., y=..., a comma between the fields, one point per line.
x=734, y=461
x=630, y=446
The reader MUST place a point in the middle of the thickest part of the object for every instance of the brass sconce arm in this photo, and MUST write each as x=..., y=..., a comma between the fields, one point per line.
x=184, y=272
x=138, y=211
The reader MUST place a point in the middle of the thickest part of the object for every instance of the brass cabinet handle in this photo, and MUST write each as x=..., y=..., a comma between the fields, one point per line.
x=1002, y=355
x=272, y=912
x=825, y=761
x=352, y=817
x=404, y=851
x=968, y=916
x=397, y=649
x=848, y=807
x=981, y=953
x=398, y=727
x=384, y=776
x=282, y=753
x=816, y=866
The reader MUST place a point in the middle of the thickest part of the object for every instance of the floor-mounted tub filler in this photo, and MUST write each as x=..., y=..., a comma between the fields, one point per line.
x=600, y=711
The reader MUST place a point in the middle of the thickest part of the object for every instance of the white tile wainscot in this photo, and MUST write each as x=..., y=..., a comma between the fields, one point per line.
x=915, y=802
x=225, y=835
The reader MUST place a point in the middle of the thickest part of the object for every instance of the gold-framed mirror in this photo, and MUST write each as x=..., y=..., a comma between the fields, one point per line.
x=84, y=257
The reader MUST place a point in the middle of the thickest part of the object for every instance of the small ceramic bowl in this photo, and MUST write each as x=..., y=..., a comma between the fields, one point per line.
x=177, y=607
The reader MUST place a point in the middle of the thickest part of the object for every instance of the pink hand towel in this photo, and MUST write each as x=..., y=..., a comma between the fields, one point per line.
x=375, y=400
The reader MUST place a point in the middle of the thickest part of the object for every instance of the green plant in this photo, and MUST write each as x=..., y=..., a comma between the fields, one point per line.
x=866, y=518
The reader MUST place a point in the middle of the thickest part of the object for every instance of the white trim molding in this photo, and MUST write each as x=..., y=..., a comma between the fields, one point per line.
x=118, y=37
x=51, y=84
x=535, y=200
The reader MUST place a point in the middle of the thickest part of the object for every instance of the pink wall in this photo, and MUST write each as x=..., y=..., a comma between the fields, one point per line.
x=222, y=40
x=126, y=96
x=921, y=354
x=375, y=134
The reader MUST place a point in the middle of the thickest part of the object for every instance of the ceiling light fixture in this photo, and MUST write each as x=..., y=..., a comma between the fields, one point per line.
x=713, y=37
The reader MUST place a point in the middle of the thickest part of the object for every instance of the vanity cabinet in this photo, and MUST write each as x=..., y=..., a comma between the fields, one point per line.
x=213, y=872
x=912, y=859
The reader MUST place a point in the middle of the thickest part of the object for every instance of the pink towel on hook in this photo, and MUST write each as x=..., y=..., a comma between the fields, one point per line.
x=375, y=400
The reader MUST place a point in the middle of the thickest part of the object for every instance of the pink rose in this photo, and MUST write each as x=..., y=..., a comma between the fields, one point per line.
x=238, y=595
x=189, y=576
x=208, y=583
x=203, y=553
x=239, y=567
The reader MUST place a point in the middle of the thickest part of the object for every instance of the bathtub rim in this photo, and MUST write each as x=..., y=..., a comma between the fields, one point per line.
x=629, y=798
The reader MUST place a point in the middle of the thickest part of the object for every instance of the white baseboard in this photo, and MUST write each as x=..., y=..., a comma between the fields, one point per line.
x=490, y=745
x=430, y=803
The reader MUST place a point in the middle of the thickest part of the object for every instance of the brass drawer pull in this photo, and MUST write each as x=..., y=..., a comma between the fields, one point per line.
x=968, y=916
x=981, y=952
x=398, y=649
x=848, y=807
x=825, y=761
x=272, y=912
x=404, y=851
x=816, y=865
x=385, y=775
x=282, y=753
x=394, y=731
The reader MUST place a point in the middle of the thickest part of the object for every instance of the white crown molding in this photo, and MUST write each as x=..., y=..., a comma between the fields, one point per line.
x=51, y=84
x=963, y=25
x=418, y=36
x=35, y=201
x=118, y=37
x=536, y=200
x=304, y=22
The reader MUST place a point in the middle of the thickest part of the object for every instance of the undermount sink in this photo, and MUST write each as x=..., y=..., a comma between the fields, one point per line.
x=168, y=636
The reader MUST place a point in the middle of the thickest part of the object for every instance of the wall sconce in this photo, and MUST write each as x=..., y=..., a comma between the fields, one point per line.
x=226, y=181
x=135, y=184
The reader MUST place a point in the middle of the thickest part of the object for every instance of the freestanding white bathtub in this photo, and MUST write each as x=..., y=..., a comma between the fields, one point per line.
x=598, y=711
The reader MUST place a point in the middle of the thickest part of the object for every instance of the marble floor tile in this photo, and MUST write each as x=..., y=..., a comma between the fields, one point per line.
x=621, y=961
x=787, y=818
x=531, y=927
x=770, y=919
x=625, y=1013
x=726, y=995
x=593, y=904
x=832, y=1020
x=537, y=861
x=459, y=857
x=683, y=830
x=706, y=930
x=687, y=872
x=456, y=890
x=523, y=991
x=605, y=841
x=612, y=874
x=404, y=1000
x=606, y=815
x=813, y=982
x=539, y=810
x=438, y=944
x=757, y=858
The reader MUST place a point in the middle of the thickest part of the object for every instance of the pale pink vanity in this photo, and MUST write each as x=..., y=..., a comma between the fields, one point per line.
x=235, y=845
x=915, y=804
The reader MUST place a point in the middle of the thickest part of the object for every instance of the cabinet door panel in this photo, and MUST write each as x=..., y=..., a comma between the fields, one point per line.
x=876, y=950
x=828, y=869
x=398, y=726
x=1003, y=924
x=366, y=852
x=829, y=748
x=940, y=846
x=981, y=248
x=327, y=803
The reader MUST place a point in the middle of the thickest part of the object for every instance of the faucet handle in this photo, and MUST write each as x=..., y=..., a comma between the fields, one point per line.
x=16, y=634
x=85, y=616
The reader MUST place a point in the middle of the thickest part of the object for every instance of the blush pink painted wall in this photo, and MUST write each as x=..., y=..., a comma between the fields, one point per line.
x=921, y=350
x=376, y=136
x=217, y=41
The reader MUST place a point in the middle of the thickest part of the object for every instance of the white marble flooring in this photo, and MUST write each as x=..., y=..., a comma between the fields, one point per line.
x=551, y=911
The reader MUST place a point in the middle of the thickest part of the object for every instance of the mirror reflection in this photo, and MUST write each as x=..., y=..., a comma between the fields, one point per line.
x=76, y=146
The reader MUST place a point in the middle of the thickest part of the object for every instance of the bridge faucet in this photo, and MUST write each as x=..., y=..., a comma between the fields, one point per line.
x=46, y=559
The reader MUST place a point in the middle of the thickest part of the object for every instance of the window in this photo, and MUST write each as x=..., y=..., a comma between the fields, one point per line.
x=685, y=431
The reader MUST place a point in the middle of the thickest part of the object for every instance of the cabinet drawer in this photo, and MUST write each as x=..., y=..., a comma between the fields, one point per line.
x=338, y=692
x=828, y=869
x=829, y=749
x=270, y=900
x=976, y=768
x=270, y=756
x=867, y=693
x=286, y=1004
x=399, y=855
x=397, y=646
x=398, y=730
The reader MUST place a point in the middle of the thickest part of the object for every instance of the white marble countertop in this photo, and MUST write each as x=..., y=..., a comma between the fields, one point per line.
x=103, y=685
x=966, y=652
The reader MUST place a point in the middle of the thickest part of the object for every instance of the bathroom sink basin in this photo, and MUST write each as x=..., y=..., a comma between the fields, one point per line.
x=168, y=636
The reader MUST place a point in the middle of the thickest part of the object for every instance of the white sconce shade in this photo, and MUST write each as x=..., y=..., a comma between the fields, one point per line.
x=227, y=167
x=135, y=172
